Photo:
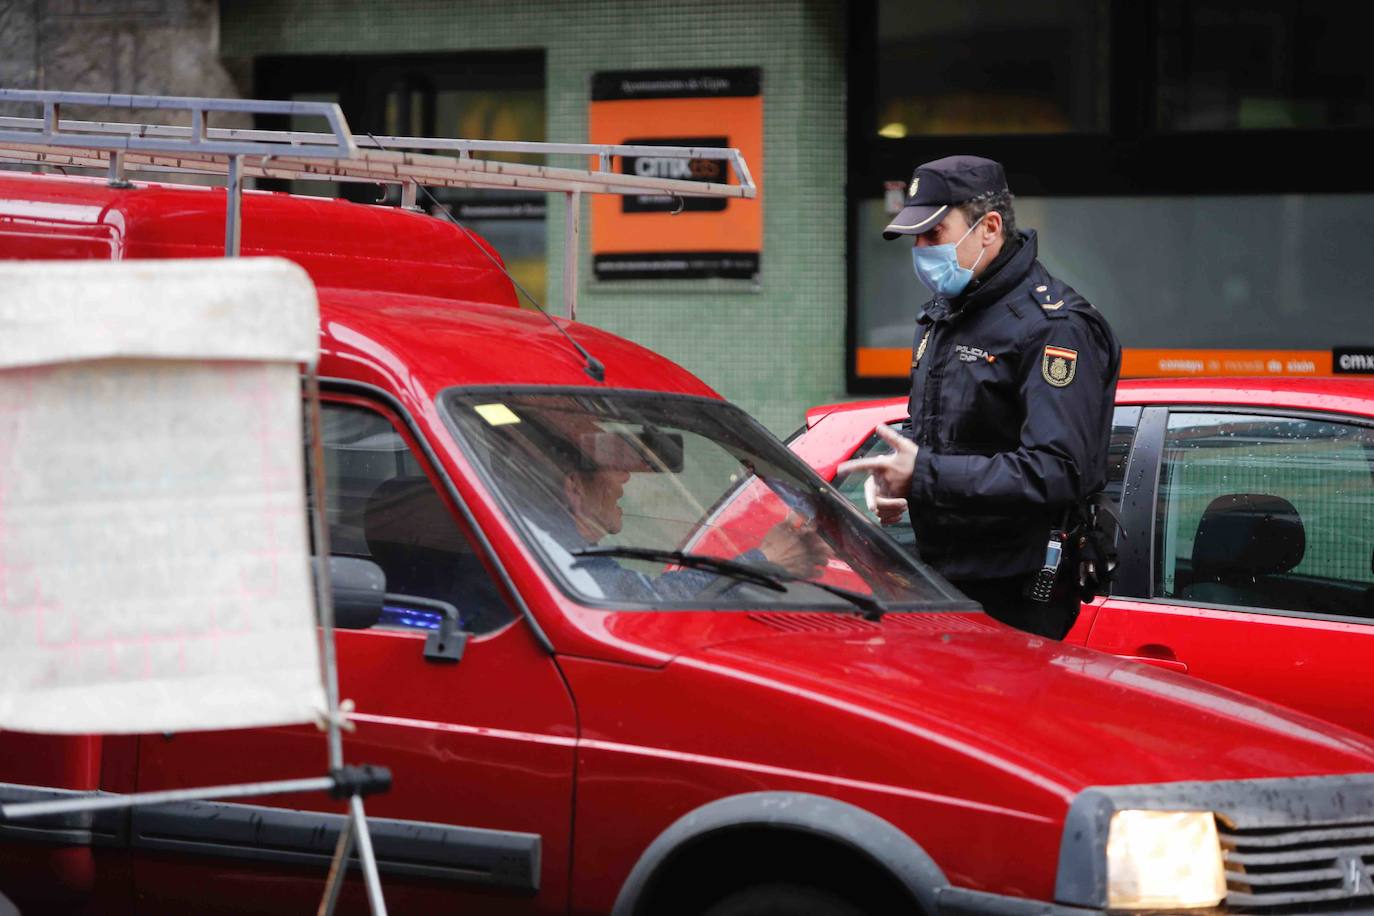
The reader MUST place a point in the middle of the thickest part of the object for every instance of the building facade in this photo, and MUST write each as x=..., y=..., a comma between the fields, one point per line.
x=524, y=70
x=1196, y=168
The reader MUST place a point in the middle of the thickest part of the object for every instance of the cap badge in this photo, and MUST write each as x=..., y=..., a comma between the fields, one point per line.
x=1059, y=366
x=915, y=183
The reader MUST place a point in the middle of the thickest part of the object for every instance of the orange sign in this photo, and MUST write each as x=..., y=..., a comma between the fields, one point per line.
x=1153, y=363
x=636, y=237
x=895, y=362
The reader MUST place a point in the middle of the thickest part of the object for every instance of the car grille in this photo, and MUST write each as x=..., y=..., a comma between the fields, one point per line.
x=799, y=622
x=970, y=622
x=1286, y=867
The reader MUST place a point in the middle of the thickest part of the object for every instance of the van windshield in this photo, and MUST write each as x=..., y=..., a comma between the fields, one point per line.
x=645, y=500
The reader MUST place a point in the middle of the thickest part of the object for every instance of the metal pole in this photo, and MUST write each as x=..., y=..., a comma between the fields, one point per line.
x=338, y=868
x=355, y=826
x=116, y=177
x=370, y=876
x=234, y=203
x=572, y=231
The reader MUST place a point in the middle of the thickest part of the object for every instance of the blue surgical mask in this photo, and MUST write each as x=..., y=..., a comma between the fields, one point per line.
x=937, y=266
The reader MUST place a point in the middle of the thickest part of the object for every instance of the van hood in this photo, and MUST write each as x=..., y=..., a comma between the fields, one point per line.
x=1060, y=716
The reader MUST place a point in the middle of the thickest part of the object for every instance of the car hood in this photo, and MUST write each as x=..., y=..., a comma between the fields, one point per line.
x=1060, y=716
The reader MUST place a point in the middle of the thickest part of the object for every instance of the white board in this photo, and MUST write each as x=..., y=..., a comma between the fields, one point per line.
x=232, y=308
x=154, y=561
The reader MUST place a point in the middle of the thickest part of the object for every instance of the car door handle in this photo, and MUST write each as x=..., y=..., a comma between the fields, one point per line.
x=1170, y=664
x=1157, y=654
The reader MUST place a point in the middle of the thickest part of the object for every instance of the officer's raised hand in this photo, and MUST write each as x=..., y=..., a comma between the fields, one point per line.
x=889, y=475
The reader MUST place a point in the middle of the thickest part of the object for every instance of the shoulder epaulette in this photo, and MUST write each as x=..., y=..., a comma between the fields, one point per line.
x=1050, y=299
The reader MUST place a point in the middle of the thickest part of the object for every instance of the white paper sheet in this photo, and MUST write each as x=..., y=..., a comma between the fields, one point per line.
x=231, y=308
x=154, y=563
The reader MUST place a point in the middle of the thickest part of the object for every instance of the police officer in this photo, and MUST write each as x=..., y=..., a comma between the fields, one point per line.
x=1013, y=375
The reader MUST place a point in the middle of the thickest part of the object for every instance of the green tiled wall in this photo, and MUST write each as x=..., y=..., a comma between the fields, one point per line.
x=774, y=348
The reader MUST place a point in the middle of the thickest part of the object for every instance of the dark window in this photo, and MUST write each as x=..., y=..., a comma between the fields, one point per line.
x=1267, y=512
x=1124, y=127
x=381, y=506
x=991, y=67
x=1262, y=64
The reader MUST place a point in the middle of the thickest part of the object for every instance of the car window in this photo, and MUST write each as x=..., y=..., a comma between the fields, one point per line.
x=1267, y=512
x=381, y=506
x=645, y=501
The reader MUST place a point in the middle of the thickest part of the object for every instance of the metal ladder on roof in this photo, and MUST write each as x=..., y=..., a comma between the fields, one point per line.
x=334, y=155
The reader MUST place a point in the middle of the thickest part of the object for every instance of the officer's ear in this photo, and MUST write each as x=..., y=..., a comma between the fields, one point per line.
x=992, y=227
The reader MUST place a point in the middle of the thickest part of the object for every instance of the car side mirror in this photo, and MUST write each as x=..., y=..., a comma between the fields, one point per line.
x=359, y=588
x=446, y=644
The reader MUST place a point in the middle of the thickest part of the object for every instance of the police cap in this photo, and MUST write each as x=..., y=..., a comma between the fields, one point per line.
x=937, y=186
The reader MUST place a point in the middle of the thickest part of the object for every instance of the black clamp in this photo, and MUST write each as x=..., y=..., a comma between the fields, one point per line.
x=366, y=779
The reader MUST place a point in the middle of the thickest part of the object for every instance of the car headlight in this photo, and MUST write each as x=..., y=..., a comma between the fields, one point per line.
x=1164, y=859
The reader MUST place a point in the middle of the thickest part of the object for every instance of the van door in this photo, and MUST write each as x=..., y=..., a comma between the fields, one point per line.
x=481, y=749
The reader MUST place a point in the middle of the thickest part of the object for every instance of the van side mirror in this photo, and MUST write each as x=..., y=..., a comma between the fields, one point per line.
x=446, y=644
x=359, y=587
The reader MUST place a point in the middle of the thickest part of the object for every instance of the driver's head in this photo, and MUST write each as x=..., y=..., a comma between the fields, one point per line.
x=578, y=465
x=593, y=499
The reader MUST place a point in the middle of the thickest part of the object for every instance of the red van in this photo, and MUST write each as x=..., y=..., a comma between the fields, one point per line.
x=674, y=672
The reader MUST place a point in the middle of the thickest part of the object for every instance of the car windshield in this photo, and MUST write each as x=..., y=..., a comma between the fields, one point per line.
x=638, y=500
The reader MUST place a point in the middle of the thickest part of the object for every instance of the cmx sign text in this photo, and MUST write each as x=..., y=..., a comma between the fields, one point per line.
x=1353, y=360
x=715, y=171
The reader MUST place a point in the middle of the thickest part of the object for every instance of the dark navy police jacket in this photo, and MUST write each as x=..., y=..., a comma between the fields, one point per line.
x=1012, y=385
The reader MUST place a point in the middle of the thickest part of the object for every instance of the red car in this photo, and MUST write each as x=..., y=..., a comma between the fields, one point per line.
x=635, y=657
x=1248, y=550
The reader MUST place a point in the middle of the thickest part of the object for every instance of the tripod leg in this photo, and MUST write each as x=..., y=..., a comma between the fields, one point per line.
x=338, y=868
x=370, y=876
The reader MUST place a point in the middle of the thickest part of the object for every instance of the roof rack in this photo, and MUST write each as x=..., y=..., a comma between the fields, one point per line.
x=335, y=155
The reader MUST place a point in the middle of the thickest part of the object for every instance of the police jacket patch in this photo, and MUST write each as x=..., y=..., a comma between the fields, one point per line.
x=1059, y=365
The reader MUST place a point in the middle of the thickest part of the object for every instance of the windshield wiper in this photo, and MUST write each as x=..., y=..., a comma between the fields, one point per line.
x=741, y=571
x=771, y=577
x=870, y=607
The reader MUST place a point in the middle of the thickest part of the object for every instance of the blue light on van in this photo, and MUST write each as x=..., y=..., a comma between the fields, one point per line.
x=410, y=618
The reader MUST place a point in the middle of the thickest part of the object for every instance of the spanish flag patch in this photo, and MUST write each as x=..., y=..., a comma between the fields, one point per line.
x=1059, y=365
